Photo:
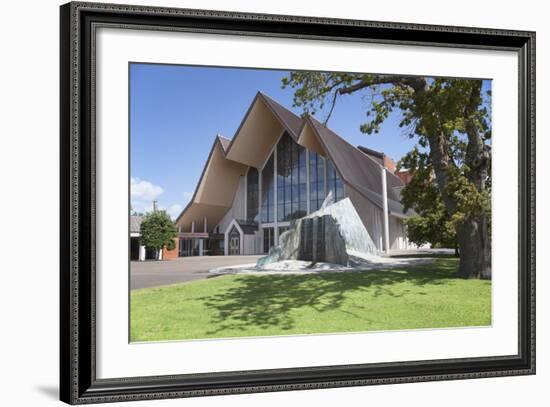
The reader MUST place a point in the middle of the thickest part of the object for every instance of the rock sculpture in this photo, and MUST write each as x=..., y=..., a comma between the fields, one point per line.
x=326, y=235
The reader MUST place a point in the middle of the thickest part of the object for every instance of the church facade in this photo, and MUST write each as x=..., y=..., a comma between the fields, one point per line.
x=279, y=167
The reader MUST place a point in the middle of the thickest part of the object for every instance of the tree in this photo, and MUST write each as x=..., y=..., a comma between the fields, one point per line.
x=432, y=223
x=432, y=228
x=450, y=120
x=158, y=230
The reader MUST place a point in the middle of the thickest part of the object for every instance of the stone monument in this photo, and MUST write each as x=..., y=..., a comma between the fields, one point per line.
x=326, y=235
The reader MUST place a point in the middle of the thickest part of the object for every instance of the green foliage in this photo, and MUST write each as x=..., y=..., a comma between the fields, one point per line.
x=158, y=230
x=312, y=87
x=468, y=200
x=432, y=224
x=451, y=122
x=434, y=228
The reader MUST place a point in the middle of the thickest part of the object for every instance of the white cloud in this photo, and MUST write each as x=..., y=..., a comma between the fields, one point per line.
x=142, y=194
x=141, y=190
x=174, y=210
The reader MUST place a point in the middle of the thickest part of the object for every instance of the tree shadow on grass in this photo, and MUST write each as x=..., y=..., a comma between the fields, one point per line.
x=268, y=301
x=424, y=256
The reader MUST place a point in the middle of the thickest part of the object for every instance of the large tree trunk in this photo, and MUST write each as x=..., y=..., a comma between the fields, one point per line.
x=473, y=232
x=474, y=235
x=475, y=248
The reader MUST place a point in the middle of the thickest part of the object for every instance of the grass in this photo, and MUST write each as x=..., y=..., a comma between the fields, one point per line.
x=423, y=296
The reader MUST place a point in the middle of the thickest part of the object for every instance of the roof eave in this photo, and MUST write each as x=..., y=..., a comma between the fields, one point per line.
x=216, y=141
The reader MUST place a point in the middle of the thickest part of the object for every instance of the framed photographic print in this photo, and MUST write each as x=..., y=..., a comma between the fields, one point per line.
x=254, y=203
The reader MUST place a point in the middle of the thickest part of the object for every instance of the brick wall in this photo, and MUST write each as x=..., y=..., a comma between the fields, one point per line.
x=171, y=254
x=389, y=163
x=405, y=176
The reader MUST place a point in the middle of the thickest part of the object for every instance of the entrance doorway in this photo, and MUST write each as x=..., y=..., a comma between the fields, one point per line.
x=151, y=253
x=134, y=248
x=234, y=242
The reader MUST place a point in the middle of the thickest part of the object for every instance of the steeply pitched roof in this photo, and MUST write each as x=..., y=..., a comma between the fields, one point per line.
x=375, y=155
x=358, y=169
x=285, y=117
x=394, y=207
x=224, y=142
x=289, y=120
x=371, y=152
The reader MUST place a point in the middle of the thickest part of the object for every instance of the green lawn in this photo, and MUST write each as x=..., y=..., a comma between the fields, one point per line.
x=426, y=296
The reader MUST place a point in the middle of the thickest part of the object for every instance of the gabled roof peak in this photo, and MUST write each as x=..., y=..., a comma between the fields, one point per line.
x=291, y=121
x=224, y=142
x=357, y=169
x=370, y=151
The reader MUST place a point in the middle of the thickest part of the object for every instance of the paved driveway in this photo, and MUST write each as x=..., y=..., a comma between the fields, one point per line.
x=145, y=274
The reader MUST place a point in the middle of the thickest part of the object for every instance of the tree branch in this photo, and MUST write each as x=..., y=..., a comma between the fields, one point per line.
x=331, y=107
x=415, y=83
x=475, y=152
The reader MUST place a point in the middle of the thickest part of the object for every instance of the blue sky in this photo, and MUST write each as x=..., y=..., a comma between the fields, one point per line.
x=177, y=111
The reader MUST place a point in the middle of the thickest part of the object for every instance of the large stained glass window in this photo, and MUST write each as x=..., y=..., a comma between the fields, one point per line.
x=268, y=204
x=291, y=183
x=252, y=191
x=291, y=180
x=334, y=183
x=317, y=181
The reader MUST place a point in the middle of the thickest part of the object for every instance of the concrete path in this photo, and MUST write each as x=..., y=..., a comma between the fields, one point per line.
x=358, y=262
x=145, y=274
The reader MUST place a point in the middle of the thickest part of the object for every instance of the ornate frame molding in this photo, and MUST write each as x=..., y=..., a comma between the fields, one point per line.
x=77, y=228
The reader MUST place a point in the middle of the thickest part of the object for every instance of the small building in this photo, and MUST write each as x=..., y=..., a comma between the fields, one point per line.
x=279, y=167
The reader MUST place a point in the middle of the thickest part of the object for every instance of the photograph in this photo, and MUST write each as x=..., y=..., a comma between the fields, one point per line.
x=269, y=202
x=256, y=202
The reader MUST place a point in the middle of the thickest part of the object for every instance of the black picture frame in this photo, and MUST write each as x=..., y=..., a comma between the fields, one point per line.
x=78, y=382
